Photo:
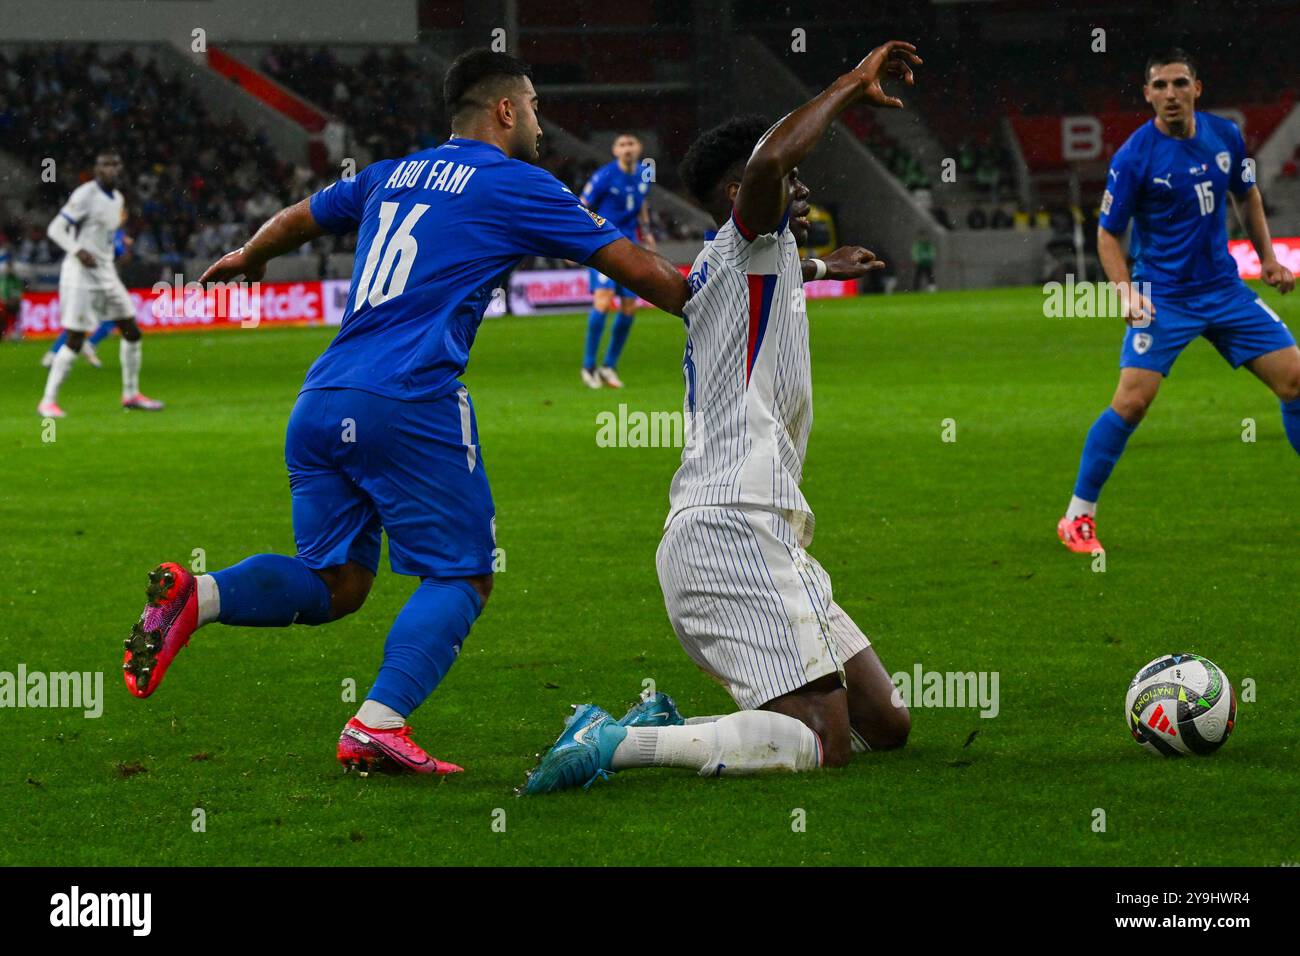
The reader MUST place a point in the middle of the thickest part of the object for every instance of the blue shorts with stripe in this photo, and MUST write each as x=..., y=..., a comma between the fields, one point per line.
x=1234, y=319
x=361, y=463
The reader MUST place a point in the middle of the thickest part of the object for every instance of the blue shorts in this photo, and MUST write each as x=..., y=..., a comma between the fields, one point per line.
x=361, y=463
x=1236, y=321
x=595, y=280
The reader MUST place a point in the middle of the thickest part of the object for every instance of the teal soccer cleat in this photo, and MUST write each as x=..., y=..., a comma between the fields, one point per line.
x=654, y=710
x=581, y=754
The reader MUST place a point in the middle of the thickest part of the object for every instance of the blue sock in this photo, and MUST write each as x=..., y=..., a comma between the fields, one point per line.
x=1291, y=422
x=101, y=333
x=1105, y=443
x=270, y=590
x=59, y=342
x=424, y=642
x=595, y=329
x=618, y=338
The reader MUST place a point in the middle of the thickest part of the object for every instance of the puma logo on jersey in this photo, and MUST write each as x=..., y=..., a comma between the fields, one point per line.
x=1166, y=180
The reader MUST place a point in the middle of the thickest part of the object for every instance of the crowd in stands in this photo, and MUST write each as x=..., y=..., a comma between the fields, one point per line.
x=386, y=100
x=392, y=106
x=195, y=184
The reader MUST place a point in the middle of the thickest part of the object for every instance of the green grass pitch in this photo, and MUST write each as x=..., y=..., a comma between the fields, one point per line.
x=944, y=552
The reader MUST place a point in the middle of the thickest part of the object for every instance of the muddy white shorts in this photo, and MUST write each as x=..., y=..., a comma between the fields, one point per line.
x=749, y=605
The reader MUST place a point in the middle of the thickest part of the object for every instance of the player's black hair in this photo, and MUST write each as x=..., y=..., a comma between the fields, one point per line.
x=717, y=151
x=473, y=67
x=1174, y=54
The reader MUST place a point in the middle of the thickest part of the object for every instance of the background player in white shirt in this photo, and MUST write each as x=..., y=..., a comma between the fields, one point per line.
x=748, y=603
x=89, y=288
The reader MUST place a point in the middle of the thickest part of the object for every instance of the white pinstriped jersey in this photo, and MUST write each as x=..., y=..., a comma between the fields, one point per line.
x=748, y=377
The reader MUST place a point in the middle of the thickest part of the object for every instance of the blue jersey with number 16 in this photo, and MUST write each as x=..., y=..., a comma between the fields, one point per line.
x=436, y=233
x=1175, y=193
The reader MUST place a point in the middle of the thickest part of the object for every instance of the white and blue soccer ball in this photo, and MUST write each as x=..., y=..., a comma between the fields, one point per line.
x=1181, y=704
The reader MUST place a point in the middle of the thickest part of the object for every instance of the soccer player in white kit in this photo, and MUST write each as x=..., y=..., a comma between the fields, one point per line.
x=748, y=603
x=89, y=288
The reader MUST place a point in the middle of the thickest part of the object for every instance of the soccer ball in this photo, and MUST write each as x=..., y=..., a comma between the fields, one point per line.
x=1181, y=704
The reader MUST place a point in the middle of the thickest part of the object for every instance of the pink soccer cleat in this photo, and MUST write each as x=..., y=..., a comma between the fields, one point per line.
x=368, y=750
x=1079, y=534
x=50, y=410
x=170, y=616
x=142, y=403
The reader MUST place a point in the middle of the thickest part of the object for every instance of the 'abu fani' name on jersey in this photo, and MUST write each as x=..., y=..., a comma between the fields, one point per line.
x=442, y=175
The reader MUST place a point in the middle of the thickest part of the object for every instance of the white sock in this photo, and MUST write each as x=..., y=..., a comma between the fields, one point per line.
x=380, y=716
x=209, y=598
x=59, y=368
x=705, y=720
x=129, y=352
x=1080, y=507
x=751, y=741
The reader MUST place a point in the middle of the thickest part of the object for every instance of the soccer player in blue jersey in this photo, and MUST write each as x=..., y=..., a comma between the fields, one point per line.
x=617, y=191
x=383, y=435
x=1172, y=180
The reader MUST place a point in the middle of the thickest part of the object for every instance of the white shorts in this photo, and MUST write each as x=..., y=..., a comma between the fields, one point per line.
x=750, y=606
x=82, y=308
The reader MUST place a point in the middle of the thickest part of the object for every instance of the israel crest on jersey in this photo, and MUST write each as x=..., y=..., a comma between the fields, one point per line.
x=1141, y=342
x=1224, y=161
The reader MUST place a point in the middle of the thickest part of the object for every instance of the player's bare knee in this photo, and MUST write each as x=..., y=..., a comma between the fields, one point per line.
x=1131, y=405
x=895, y=730
x=76, y=340
x=1288, y=389
x=349, y=586
x=130, y=331
x=483, y=585
x=836, y=752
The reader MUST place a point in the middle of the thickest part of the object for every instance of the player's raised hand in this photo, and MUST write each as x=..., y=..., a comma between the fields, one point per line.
x=851, y=262
x=1138, y=309
x=1278, y=276
x=895, y=58
x=232, y=265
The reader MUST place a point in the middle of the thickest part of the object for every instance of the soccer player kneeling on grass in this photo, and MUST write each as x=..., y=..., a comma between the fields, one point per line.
x=383, y=435
x=748, y=603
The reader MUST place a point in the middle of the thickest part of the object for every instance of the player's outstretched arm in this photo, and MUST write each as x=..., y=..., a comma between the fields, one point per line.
x=846, y=262
x=761, y=201
x=285, y=231
x=1270, y=270
x=648, y=274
